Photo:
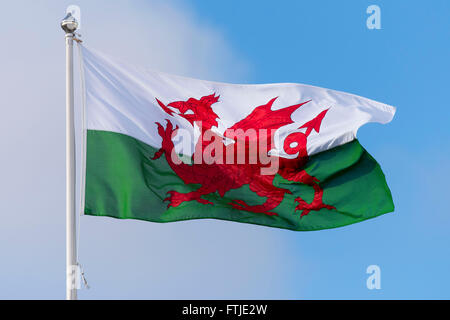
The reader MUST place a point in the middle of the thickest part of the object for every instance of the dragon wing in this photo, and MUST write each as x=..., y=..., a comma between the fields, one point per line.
x=263, y=117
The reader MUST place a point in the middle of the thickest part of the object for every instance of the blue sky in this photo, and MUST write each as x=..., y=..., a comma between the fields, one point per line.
x=323, y=43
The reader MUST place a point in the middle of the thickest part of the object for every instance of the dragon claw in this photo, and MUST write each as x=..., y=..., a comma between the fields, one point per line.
x=176, y=198
x=307, y=207
x=160, y=129
x=158, y=154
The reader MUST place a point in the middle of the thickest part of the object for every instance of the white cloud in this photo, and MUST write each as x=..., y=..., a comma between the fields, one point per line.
x=162, y=36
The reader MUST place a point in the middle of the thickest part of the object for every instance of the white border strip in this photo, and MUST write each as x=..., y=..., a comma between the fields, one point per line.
x=83, y=131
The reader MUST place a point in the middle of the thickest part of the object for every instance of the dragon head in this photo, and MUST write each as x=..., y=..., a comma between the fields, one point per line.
x=195, y=111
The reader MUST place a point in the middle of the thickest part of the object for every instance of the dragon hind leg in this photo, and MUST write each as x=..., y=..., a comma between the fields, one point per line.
x=315, y=205
x=176, y=198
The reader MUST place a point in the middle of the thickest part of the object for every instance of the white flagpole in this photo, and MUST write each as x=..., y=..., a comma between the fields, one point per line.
x=69, y=25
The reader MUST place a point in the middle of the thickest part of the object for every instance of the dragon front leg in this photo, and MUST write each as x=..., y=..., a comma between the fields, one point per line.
x=166, y=134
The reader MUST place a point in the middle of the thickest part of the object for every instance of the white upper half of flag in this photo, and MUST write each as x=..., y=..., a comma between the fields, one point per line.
x=121, y=98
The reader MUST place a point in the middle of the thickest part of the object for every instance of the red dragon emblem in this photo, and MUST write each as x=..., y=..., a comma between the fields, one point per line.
x=223, y=176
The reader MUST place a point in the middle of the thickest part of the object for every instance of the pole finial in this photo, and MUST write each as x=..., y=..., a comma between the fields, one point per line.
x=69, y=24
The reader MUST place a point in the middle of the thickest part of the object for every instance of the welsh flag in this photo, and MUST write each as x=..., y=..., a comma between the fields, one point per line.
x=165, y=148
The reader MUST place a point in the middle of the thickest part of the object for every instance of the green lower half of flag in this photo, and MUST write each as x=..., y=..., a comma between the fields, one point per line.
x=123, y=182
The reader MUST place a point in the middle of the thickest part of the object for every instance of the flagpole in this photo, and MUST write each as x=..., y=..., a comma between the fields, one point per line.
x=69, y=25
